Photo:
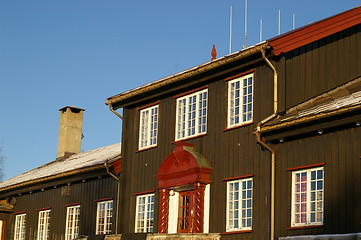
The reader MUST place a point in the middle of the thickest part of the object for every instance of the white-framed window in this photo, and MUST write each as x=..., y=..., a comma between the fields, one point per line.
x=239, y=205
x=43, y=224
x=148, y=127
x=240, y=101
x=144, y=218
x=19, y=231
x=72, y=222
x=307, y=197
x=191, y=118
x=104, y=217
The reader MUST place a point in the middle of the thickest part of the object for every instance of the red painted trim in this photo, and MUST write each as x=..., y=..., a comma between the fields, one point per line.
x=17, y=213
x=189, y=92
x=235, y=178
x=303, y=227
x=193, y=137
x=42, y=209
x=148, y=105
x=103, y=199
x=239, y=75
x=143, y=193
x=145, y=149
x=304, y=167
x=315, y=31
x=236, y=232
x=243, y=125
x=71, y=204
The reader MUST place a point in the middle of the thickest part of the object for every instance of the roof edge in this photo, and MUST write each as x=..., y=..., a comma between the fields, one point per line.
x=186, y=74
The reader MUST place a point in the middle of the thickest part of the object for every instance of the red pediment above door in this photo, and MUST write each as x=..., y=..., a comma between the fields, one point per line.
x=183, y=166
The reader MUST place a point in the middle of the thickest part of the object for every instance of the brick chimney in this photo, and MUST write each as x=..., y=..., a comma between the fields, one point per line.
x=70, y=131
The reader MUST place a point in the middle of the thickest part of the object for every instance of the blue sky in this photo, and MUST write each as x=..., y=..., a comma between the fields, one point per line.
x=56, y=53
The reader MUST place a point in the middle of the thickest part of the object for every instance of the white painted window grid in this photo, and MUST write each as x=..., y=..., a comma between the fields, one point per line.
x=240, y=101
x=72, y=222
x=307, y=197
x=239, y=205
x=144, y=218
x=191, y=119
x=148, y=127
x=20, y=229
x=43, y=225
x=104, y=217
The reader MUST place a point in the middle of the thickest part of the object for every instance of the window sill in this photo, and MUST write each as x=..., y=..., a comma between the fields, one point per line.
x=237, y=232
x=303, y=227
x=238, y=126
x=192, y=137
x=145, y=149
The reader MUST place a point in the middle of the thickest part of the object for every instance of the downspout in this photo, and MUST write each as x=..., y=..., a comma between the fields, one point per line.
x=273, y=152
x=118, y=195
x=113, y=111
x=115, y=177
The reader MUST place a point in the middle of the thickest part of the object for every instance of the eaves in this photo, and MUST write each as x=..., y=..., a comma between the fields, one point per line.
x=120, y=100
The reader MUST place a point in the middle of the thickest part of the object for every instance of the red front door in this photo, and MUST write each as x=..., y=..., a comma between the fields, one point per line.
x=185, y=211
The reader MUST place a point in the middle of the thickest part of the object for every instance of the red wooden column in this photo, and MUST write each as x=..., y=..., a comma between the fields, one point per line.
x=198, y=207
x=163, y=211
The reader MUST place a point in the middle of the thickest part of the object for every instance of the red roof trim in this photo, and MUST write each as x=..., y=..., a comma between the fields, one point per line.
x=71, y=204
x=103, y=199
x=17, y=213
x=190, y=92
x=43, y=209
x=239, y=75
x=144, y=193
x=315, y=31
x=236, y=178
x=303, y=227
x=236, y=232
x=305, y=167
x=148, y=105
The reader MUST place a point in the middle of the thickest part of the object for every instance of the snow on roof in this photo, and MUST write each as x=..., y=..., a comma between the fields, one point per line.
x=74, y=162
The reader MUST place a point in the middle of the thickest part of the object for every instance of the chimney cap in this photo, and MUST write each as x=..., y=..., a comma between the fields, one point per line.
x=72, y=108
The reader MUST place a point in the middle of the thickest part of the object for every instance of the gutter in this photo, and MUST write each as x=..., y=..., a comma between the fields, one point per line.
x=273, y=152
x=187, y=73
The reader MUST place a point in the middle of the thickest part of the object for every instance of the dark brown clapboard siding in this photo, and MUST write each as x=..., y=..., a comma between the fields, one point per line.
x=322, y=65
x=340, y=151
x=231, y=153
x=83, y=193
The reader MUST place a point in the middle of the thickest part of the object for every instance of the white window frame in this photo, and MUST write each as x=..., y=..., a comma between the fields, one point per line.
x=20, y=227
x=148, y=127
x=240, y=101
x=239, y=215
x=104, y=217
x=312, y=202
x=72, y=222
x=191, y=115
x=44, y=224
x=144, y=216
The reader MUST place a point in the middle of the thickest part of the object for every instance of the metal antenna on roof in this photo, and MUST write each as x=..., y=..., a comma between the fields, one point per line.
x=245, y=24
x=279, y=22
x=260, y=30
x=293, y=21
x=230, y=30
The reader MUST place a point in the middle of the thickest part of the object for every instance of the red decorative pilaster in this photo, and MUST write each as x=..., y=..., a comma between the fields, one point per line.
x=163, y=210
x=198, y=207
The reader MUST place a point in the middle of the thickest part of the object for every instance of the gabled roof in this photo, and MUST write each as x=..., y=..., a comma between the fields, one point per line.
x=343, y=99
x=65, y=167
x=315, y=31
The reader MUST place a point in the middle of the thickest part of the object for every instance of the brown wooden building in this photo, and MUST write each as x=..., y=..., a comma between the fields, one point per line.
x=212, y=149
x=72, y=196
